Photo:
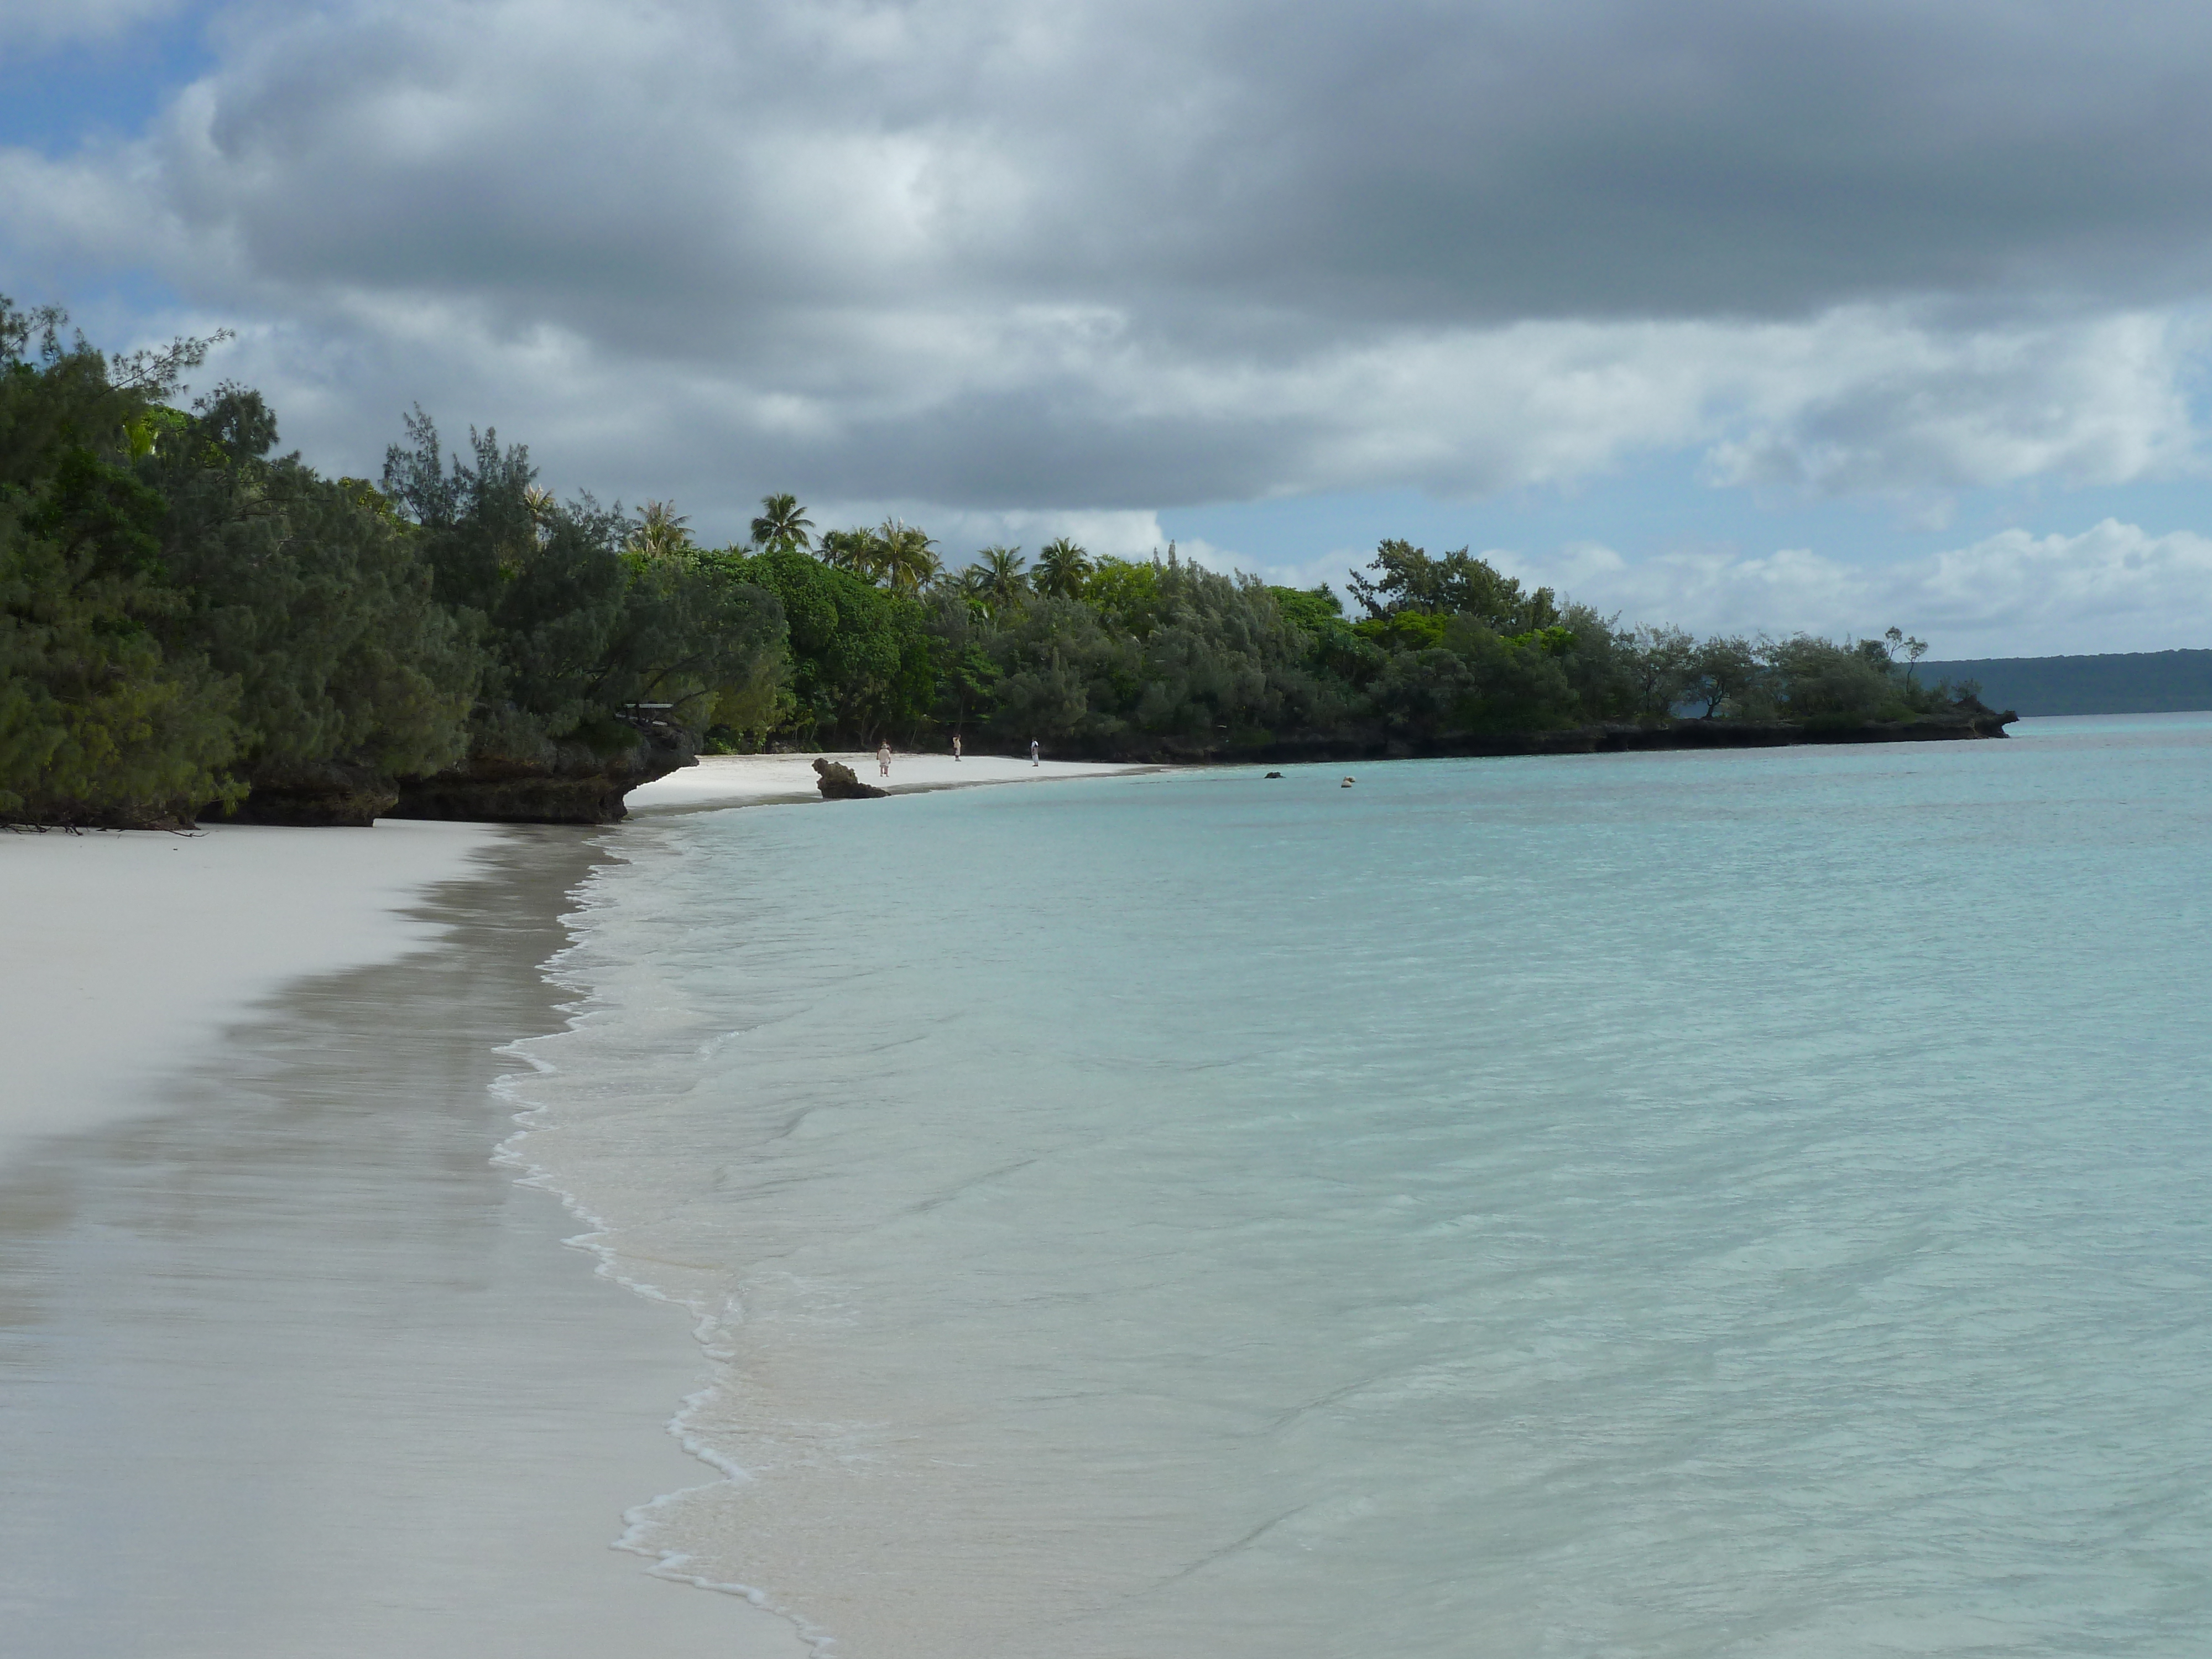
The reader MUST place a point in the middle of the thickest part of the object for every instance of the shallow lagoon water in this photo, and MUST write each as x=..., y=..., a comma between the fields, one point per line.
x=1669, y=1205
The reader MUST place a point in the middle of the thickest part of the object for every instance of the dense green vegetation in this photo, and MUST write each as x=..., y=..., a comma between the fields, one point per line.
x=192, y=621
x=580, y=617
x=189, y=621
x=1111, y=657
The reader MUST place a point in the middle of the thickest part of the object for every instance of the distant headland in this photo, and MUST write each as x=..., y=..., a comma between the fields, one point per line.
x=2130, y=683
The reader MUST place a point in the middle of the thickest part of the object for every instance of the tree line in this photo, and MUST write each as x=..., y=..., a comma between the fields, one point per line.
x=191, y=621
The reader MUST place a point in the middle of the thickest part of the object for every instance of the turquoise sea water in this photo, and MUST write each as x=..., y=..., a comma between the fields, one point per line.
x=1671, y=1204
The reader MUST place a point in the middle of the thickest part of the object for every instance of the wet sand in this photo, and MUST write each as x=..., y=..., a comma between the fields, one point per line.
x=289, y=1370
x=123, y=954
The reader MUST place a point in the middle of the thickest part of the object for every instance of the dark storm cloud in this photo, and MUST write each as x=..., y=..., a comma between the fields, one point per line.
x=1698, y=158
x=1379, y=162
x=1088, y=255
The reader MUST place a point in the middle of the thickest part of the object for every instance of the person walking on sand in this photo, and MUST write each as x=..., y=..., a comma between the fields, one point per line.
x=1033, y=751
x=883, y=758
x=956, y=746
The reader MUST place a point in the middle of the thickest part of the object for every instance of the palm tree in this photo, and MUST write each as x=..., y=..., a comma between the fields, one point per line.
x=1062, y=567
x=997, y=577
x=903, y=558
x=661, y=534
x=782, y=524
x=850, y=550
x=543, y=510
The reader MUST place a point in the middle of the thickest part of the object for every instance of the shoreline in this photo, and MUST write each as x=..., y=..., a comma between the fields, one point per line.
x=722, y=781
x=298, y=1368
x=129, y=953
x=315, y=1180
x=1603, y=738
x=716, y=781
x=525, y=1119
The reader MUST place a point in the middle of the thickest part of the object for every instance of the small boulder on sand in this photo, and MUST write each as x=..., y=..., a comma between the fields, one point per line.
x=837, y=783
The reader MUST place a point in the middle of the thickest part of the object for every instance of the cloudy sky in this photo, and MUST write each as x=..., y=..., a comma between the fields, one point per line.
x=1738, y=313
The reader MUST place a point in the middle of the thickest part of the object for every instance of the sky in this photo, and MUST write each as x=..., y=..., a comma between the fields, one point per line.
x=1741, y=315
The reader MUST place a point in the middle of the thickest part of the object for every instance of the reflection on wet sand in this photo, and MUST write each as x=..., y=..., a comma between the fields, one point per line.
x=290, y=1369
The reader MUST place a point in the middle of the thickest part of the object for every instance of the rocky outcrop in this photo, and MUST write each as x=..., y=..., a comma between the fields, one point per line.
x=837, y=783
x=329, y=794
x=572, y=785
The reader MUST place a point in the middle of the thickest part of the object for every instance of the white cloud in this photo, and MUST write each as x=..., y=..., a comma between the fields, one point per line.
x=983, y=414
x=1871, y=408
x=1002, y=255
x=2114, y=587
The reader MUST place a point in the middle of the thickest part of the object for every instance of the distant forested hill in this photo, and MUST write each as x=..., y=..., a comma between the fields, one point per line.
x=2136, y=683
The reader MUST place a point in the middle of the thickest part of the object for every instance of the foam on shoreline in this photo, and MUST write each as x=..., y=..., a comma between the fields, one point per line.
x=708, y=1331
x=294, y=1367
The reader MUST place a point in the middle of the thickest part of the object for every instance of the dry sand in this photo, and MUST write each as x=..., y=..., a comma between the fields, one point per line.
x=122, y=956
x=759, y=779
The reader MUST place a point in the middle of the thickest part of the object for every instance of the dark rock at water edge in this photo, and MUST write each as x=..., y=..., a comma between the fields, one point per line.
x=569, y=783
x=837, y=783
x=572, y=784
x=329, y=794
x=1375, y=743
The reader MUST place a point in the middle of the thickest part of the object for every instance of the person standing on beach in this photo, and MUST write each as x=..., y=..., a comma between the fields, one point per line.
x=883, y=758
x=1033, y=751
x=956, y=746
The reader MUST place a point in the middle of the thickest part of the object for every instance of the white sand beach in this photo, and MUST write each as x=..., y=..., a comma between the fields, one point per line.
x=760, y=780
x=288, y=1367
x=123, y=954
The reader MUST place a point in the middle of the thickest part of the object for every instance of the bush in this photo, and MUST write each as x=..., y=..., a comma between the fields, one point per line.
x=102, y=720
